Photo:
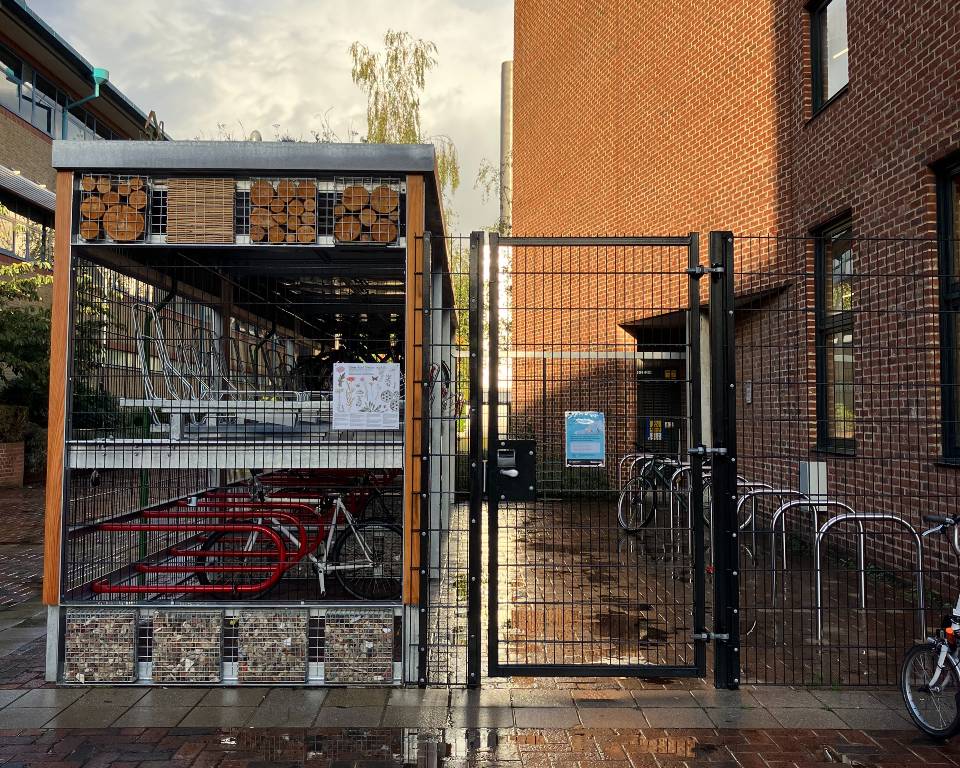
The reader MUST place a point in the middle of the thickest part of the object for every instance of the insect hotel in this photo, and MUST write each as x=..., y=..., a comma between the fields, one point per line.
x=238, y=376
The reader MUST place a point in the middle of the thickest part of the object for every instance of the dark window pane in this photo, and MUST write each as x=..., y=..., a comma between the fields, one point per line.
x=954, y=234
x=839, y=277
x=12, y=72
x=830, y=30
x=839, y=385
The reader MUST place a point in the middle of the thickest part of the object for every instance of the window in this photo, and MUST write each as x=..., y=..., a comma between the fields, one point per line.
x=948, y=198
x=11, y=73
x=828, y=49
x=834, y=278
x=23, y=237
x=30, y=95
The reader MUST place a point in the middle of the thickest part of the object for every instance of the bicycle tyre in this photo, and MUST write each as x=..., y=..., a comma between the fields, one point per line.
x=382, y=506
x=633, y=508
x=386, y=541
x=922, y=705
x=210, y=543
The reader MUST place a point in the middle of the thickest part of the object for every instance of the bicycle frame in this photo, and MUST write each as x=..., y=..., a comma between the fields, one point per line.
x=321, y=564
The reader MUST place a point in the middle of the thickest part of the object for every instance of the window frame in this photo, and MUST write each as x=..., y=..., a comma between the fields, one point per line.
x=817, y=10
x=948, y=174
x=828, y=324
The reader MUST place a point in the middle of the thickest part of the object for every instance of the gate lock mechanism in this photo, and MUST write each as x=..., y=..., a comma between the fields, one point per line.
x=516, y=470
x=725, y=636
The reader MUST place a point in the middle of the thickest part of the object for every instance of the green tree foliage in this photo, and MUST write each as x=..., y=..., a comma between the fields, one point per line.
x=25, y=337
x=394, y=79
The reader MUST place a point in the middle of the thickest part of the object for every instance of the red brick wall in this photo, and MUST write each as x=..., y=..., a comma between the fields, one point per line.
x=661, y=118
x=11, y=465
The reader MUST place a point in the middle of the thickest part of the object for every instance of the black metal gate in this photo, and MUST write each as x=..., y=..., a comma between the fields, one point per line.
x=595, y=546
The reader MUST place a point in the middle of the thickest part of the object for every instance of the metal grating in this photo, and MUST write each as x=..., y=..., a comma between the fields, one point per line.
x=241, y=222
x=187, y=646
x=272, y=647
x=158, y=213
x=358, y=646
x=100, y=646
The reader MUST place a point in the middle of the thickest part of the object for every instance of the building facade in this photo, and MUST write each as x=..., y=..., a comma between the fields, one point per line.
x=832, y=130
x=41, y=76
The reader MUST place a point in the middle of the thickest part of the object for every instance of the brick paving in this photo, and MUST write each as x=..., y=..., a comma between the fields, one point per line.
x=460, y=748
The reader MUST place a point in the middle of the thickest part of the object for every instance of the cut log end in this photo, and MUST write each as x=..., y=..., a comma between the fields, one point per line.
x=384, y=199
x=347, y=229
x=354, y=197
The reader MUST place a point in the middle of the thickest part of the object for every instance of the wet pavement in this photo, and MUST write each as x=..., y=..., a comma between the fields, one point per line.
x=537, y=722
x=463, y=747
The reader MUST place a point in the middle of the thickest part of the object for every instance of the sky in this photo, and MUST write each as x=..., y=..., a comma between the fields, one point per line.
x=256, y=64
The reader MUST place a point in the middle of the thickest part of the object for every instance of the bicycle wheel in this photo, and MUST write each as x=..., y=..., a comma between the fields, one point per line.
x=222, y=541
x=935, y=711
x=636, y=507
x=383, y=506
x=370, y=556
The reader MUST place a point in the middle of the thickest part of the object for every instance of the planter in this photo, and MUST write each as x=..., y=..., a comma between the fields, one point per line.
x=11, y=465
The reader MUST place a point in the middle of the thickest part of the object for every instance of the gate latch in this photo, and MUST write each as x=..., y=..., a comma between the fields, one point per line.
x=700, y=271
x=702, y=450
x=711, y=636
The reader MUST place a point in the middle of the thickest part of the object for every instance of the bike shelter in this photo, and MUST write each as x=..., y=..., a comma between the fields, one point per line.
x=234, y=459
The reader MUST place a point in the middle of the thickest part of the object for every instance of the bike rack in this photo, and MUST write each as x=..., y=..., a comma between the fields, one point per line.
x=276, y=570
x=859, y=518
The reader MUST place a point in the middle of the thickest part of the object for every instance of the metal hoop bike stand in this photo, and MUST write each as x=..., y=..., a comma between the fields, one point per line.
x=859, y=518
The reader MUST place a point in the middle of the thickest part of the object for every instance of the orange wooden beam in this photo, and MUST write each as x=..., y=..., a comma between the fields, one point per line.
x=56, y=428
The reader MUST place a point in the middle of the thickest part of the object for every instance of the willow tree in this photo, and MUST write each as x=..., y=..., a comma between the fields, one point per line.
x=393, y=80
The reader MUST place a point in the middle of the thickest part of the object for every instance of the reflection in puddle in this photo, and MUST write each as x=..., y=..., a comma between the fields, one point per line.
x=419, y=748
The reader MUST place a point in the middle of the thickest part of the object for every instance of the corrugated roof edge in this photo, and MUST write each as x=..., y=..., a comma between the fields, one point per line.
x=243, y=156
x=27, y=190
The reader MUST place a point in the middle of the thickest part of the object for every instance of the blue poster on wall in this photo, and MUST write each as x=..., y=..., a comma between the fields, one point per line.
x=586, y=439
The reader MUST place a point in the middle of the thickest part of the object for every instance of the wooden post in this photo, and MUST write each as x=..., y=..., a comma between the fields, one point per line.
x=413, y=365
x=56, y=432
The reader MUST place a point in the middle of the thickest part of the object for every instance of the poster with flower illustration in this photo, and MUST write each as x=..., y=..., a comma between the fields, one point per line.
x=366, y=396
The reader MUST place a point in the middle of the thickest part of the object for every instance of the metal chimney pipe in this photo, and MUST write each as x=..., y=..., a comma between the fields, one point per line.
x=506, y=146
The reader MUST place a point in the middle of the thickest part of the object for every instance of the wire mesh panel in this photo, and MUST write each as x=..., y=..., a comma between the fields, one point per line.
x=235, y=427
x=100, y=646
x=187, y=646
x=448, y=423
x=272, y=647
x=841, y=437
x=594, y=524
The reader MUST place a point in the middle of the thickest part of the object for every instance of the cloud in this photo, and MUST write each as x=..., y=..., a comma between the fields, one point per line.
x=258, y=64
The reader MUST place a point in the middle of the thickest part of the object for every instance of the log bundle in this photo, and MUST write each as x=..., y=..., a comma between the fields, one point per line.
x=367, y=213
x=114, y=207
x=283, y=211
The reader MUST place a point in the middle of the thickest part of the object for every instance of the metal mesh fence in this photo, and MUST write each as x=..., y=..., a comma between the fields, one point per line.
x=843, y=430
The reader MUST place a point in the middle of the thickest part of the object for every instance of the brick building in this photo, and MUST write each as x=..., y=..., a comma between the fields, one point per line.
x=41, y=76
x=830, y=128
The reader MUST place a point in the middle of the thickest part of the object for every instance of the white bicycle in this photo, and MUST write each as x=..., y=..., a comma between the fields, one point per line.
x=366, y=556
x=930, y=674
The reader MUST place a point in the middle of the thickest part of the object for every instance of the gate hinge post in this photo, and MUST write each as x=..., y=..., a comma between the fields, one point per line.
x=703, y=450
x=700, y=270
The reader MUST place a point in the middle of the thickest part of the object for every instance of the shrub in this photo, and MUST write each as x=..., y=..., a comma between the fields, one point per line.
x=13, y=423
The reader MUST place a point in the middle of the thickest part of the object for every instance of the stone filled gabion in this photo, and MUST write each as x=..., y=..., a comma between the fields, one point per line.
x=272, y=647
x=187, y=646
x=358, y=647
x=99, y=646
